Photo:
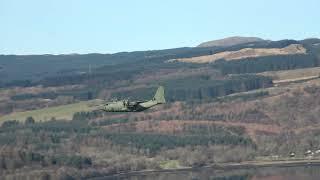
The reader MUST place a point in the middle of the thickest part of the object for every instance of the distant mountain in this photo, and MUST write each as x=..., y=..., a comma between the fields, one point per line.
x=230, y=41
x=311, y=41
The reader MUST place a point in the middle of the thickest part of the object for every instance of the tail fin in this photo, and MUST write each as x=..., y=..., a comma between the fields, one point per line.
x=159, y=96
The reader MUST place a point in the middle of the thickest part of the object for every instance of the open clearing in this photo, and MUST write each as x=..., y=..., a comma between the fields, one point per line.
x=245, y=53
x=59, y=112
x=292, y=74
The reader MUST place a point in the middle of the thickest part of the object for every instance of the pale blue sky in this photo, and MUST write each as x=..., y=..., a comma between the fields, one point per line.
x=108, y=26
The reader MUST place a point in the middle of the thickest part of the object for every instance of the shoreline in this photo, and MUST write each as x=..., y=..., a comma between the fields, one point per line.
x=223, y=166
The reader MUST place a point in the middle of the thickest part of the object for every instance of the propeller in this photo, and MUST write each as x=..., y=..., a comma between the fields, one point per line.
x=114, y=99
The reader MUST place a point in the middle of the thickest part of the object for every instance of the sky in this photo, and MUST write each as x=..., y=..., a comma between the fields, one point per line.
x=109, y=26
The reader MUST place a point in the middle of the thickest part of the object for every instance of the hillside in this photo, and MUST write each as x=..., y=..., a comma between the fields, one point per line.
x=37, y=67
x=230, y=110
x=230, y=41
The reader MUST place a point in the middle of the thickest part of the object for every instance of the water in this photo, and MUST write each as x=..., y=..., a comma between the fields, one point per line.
x=289, y=173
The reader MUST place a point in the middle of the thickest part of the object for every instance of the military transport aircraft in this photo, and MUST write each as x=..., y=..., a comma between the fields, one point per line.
x=134, y=106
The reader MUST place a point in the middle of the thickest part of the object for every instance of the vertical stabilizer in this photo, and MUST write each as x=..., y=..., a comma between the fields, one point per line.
x=159, y=96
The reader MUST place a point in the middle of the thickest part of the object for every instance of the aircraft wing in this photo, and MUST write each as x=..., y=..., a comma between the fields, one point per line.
x=134, y=103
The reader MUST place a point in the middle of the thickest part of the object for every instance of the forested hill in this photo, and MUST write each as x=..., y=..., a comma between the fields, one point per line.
x=36, y=67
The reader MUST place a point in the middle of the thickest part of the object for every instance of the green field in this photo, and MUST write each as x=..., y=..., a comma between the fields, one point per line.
x=170, y=164
x=59, y=112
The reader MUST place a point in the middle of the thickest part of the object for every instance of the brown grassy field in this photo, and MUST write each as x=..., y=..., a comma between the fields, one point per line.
x=245, y=53
x=293, y=74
